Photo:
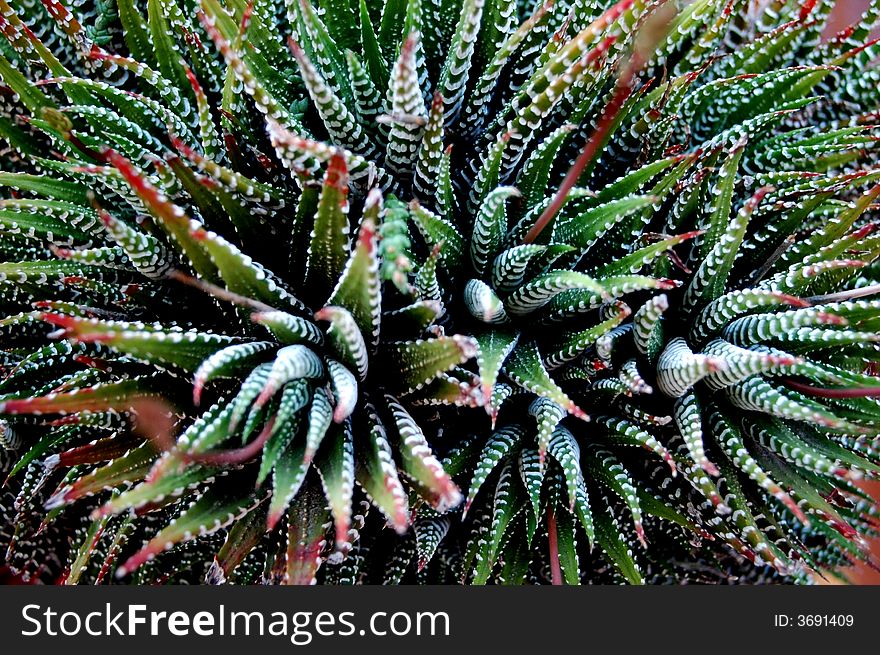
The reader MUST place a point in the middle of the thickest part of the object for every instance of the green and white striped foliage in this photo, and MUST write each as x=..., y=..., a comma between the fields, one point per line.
x=559, y=292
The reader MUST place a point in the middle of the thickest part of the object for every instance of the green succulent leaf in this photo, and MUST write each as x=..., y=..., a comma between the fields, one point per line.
x=421, y=361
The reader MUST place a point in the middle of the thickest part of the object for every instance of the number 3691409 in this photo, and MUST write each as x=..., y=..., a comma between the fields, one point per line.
x=814, y=621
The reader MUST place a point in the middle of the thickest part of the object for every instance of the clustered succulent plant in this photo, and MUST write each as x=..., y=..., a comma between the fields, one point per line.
x=481, y=291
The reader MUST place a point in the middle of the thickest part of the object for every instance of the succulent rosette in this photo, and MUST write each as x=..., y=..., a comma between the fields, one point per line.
x=445, y=291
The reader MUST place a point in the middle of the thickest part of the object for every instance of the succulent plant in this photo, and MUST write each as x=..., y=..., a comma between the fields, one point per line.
x=480, y=291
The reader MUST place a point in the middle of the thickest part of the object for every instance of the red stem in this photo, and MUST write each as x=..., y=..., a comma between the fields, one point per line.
x=219, y=292
x=591, y=147
x=857, y=392
x=236, y=455
x=555, y=570
x=849, y=294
